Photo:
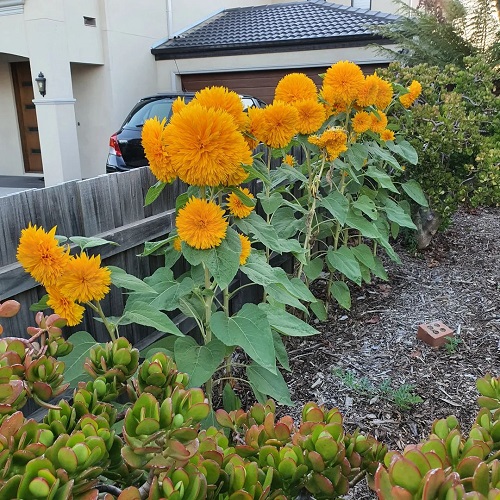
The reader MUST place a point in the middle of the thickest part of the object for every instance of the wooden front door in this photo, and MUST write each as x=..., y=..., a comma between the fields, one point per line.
x=26, y=115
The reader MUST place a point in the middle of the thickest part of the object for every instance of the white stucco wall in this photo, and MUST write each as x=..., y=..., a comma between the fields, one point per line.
x=11, y=159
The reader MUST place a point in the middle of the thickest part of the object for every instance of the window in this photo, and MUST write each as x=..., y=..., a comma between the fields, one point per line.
x=362, y=4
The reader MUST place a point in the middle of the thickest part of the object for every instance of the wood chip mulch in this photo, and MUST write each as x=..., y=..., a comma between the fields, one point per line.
x=373, y=346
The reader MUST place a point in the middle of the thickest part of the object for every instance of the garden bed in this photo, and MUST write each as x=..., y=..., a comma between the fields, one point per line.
x=456, y=280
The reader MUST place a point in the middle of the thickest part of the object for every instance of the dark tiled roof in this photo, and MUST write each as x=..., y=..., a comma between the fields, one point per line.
x=297, y=25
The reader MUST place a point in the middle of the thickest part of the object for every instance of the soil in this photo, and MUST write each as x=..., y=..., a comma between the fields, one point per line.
x=362, y=352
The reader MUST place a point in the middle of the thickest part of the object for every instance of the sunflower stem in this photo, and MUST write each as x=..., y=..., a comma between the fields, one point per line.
x=313, y=197
x=112, y=330
x=208, y=332
x=227, y=359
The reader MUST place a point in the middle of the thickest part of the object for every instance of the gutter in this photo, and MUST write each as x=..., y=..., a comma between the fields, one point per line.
x=197, y=51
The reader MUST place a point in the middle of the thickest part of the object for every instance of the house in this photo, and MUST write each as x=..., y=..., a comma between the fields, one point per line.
x=98, y=57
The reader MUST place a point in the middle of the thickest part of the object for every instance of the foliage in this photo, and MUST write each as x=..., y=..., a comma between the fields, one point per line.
x=444, y=33
x=454, y=128
x=158, y=449
x=402, y=396
x=449, y=464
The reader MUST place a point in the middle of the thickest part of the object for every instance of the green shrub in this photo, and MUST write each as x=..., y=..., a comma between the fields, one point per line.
x=454, y=127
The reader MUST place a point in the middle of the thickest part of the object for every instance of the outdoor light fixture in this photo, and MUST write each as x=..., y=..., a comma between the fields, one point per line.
x=41, y=81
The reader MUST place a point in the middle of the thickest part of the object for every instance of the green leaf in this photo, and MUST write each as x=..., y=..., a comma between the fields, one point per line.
x=377, y=152
x=198, y=361
x=230, y=401
x=281, y=354
x=270, y=203
x=286, y=173
x=285, y=223
x=364, y=255
x=121, y=279
x=337, y=204
x=82, y=342
x=249, y=329
x=344, y=261
x=181, y=200
x=262, y=231
x=405, y=150
x=41, y=305
x=383, y=180
x=287, y=323
x=367, y=206
x=379, y=269
x=169, y=299
x=164, y=344
x=158, y=279
x=151, y=247
x=194, y=256
x=357, y=155
x=340, y=292
x=224, y=261
x=414, y=191
x=319, y=309
x=153, y=192
x=396, y=214
x=314, y=268
x=281, y=295
x=271, y=384
x=84, y=242
x=367, y=228
x=148, y=315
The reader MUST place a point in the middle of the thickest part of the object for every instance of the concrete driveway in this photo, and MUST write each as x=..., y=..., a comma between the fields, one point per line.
x=10, y=184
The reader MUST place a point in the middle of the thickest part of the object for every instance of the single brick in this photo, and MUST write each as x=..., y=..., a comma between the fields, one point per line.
x=434, y=333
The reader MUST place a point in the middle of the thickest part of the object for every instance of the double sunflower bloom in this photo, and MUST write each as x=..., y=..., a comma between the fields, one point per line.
x=69, y=280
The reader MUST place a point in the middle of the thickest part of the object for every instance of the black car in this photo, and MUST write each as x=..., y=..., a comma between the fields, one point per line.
x=125, y=147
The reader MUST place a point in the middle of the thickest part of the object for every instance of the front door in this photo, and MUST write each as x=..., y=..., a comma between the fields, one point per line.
x=26, y=115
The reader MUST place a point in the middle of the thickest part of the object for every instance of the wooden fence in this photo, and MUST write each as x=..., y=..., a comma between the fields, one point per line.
x=111, y=207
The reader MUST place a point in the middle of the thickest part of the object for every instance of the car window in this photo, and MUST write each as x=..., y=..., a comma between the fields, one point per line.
x=160, y=108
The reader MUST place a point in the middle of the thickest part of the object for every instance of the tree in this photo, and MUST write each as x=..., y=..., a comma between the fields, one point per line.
x=440, y=32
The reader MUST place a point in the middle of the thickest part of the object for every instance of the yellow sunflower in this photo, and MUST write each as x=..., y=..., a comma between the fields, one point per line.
x=246, y=248
x=311, y=115
x=225, y=100
x=289, y=160
x=205, y=146
x=237, y=207
x=177, y=244
x=178, y=105
x=332, y=105
x=201, y=224
x=153, y=142
x=332, y=140
x=384, y=93
x=236, y=178
x=361, y=122
x=345, y=80
x=387, y=135
x=277, y=124
x=65, y=307
x=368, y=91
x=40, y=254
x=295, y=87
x=414, y=91
x=379, y=123
x=84, y=279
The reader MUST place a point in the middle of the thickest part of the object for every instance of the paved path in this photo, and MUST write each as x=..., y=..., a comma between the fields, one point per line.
x=15, y=183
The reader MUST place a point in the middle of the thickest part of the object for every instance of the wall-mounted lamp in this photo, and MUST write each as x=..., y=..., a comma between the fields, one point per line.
x=41, y=81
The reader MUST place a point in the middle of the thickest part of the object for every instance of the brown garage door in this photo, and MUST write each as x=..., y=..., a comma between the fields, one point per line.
x=260, y=84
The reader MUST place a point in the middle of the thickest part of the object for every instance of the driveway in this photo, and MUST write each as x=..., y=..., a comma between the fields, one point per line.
x=10, y=184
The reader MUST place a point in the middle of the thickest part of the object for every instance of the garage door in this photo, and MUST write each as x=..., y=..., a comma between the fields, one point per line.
x=260, y=84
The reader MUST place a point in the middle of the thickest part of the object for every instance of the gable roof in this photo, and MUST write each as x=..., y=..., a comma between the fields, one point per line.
x=305, y=25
